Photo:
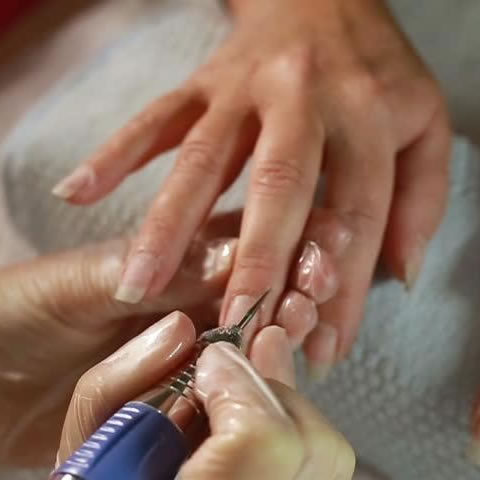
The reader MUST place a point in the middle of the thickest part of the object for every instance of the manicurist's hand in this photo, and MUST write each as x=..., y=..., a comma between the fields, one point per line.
x=259, y=429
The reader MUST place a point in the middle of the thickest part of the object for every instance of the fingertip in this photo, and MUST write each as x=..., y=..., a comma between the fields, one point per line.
x=272, y=356
x=320, y=348
x=76, y=185
x=298, y=316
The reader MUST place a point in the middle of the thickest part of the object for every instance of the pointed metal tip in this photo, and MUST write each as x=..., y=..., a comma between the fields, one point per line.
x=252, y=311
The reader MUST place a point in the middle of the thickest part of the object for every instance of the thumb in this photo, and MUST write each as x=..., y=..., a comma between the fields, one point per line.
x=252, y=435
x=77, y=287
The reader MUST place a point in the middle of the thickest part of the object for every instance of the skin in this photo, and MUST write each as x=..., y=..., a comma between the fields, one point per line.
x=258, y=428
x=58, y=317
x=305, y=87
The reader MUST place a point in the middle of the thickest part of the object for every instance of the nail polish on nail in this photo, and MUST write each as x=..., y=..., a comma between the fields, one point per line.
x=219, y=257
x=136, y=278
x=414, y=266
x=81, y=178
x=316, y=276
x=322, y=352
x=473, y=452
x=238, y=308
x=298, y=316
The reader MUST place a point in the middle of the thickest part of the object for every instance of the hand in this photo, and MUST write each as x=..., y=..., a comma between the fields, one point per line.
x=58, y=318
x=307, y=86
x=259, y=429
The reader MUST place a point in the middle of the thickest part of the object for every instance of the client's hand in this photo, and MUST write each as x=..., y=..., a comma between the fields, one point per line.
x=259, y=429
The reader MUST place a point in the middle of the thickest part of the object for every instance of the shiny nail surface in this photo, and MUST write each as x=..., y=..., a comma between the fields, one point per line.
x=315, y=275
x=238, y=308
x=321, y=352
x=208, y=260
x=81, y=178
x=136, y=278
x=298, y=316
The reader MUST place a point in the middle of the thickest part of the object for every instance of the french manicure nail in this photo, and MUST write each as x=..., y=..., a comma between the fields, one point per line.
x=238, y=308
x=414, y=266
x=80, y=179
x=298, y=316
x=322, y=352
x=315, y=275
x=137, y=278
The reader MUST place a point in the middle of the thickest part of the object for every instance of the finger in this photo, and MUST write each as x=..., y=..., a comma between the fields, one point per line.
x=182, y=204
x=126, y=374
x=419, y=200
x=359, y=189
x=158, y=128
x=328, y=230
x=297, y=314
x=77, y=287
x=270, y=355
x=315, y=274
x=252, y=434
x=328, y=454
x=285, y=171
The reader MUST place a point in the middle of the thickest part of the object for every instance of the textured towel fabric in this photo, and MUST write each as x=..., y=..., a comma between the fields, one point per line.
x=404, y=396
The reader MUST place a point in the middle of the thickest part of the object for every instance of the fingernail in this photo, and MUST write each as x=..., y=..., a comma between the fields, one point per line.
x=298, y=316
x=80, y=179
x=414, y=265
x=473, y=452
x=315, y=275
x=216, y=257
x=136, y=278
x=238, y=308
x=322, y=352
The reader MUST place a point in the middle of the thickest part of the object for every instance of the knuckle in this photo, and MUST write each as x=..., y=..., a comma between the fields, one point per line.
x=279, y=176
x=363, y=221
x=260, y=258
x=197, y=157
x=294, y=68
x=361, y=92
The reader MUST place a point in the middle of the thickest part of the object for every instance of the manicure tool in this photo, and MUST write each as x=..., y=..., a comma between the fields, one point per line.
x=151, y=437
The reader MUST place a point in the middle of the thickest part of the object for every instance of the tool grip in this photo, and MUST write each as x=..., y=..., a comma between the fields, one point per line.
x=136, y=443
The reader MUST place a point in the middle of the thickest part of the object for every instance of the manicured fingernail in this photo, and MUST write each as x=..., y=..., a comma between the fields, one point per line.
x=136, y=278
x=315, y=275
x=238, y=308
x=473, y=452
x=298, y=316
x=414, y=266
x=81, y=178
x=322, y=352
x=214, y=258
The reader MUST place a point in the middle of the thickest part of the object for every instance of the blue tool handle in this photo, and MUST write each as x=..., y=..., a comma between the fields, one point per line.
x=137, y=443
